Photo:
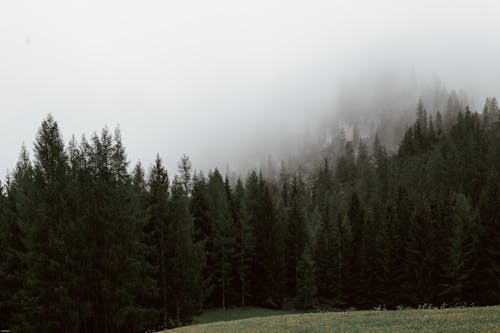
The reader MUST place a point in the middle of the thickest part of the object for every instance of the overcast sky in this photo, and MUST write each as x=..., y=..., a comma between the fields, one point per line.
x=221, y=80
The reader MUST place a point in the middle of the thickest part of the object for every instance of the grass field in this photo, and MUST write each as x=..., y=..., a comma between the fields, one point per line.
x=211, y=316
x=480, y=319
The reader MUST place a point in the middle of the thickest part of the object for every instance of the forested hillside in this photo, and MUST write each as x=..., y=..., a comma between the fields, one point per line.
x=91, y=244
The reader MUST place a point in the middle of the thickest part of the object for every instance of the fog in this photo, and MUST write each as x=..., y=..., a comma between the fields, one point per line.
x=229, y=82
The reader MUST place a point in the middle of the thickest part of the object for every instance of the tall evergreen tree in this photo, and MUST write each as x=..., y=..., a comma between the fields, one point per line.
x=461, y=252
x=156, y=232
x=245, y=243
x=222, y=236
x=49, y=307
x=306, y=280
x=390, y=259
x=186, y=259
x=15, y=214
x=296, y=233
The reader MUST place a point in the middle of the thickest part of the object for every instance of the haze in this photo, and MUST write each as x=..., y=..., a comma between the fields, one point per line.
x=226, y=82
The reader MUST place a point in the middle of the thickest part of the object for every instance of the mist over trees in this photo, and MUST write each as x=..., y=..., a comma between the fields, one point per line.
x=91, y=244
x=376, y=104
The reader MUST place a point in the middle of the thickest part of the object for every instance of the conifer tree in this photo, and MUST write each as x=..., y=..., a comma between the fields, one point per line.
x=186, y=260
x=487, y=277
x=156, y=233
x=461, y=251
x=306, y=280
x=420, y=258
x=199, y=209
x=390, y=259
x=296, y=234
x=15, y=202
x=245, y=243
x=325, y=254
x=49, y=307
x=357, y=257
x=222, y=236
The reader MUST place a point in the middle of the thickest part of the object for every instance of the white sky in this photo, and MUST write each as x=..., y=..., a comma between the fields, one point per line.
x=223, y=81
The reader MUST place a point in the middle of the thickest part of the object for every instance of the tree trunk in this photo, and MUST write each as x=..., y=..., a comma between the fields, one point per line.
x=178, y=311
x=164, y=287
x=243, y=293
x=223, y=284
x=105, y=312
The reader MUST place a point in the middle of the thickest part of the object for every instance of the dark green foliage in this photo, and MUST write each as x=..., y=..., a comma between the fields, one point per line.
x=389, y=258
x=199, y=208
x=296, y=233
x=221, y=250
x=185, y=258
x=15, y=197
x=306, y=280
x=156, y=234
x=91, y=246
x=487, y=277
x=245, y=243
x=49, y=306
x=461, y=252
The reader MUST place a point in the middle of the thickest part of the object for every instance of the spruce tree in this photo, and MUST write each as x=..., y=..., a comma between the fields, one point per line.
x=222, y=237
x=358, y=252
x=15, y=202
x=156, y=233
x=296, y=234
x=462, y=245
x=245, y=243
x=185, y=258
x=48, y=304
x=390, y=258
x=306, y=279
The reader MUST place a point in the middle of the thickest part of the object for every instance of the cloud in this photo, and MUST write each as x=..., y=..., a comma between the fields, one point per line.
x=224, y=81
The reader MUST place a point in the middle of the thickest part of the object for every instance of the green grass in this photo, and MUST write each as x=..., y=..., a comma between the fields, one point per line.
x=211, y=316
x=480, y=319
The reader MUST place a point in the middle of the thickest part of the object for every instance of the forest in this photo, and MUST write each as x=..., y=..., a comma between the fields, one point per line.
x=89, y=243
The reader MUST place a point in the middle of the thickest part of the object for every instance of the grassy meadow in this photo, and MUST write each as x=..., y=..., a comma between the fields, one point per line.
x=479, y=319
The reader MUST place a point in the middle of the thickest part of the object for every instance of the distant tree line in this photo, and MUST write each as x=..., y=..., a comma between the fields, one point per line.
x=88, y=245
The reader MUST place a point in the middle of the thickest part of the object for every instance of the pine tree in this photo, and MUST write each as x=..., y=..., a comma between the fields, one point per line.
x=344, y=252
x=222, y=236
x=114, y=244
x=357, y=259
x=199, y=208
x=420, y=258
x=325, y=253
x=156, y=232
x=48, y=305
x=390, y=259
x=276, y=220
x=461, y=251
x=453, y=107
x=147, y=312
x=268, y=220
x=306, y=280
x=186, y=260
x=245, y=243
x=345, y=172
x=185, y=174
x=487, y=276
x=296, y=234
x=15, y=213
x=334, y=243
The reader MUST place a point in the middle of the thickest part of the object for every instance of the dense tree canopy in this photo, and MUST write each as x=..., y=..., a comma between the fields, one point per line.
x=88, y=245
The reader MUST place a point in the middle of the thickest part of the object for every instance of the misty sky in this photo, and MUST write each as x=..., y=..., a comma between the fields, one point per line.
x=223, y=81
